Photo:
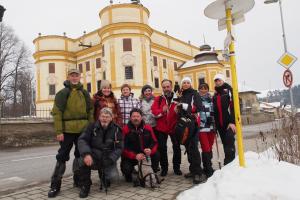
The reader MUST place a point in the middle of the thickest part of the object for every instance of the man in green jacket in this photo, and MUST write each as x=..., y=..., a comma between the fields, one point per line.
x=72, y=112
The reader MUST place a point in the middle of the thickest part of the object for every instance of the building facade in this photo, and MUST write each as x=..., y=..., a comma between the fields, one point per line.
x=125, y=49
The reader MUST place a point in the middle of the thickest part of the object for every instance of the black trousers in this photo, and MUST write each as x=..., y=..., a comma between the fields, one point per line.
x=127, y=165
x=105, y=174
x=192, y=151
x=163, y=150
x=63, y=154
x=228, y=139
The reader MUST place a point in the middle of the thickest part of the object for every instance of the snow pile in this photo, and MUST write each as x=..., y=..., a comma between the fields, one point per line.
x=264, y=178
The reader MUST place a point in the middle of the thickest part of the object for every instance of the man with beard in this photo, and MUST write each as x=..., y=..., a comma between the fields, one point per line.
x=100, y=147
x=224, y=116
x=72, y=111
x=163, y=110
x=140, y=144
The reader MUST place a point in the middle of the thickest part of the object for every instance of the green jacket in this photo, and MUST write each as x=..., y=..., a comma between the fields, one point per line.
x=70, y=112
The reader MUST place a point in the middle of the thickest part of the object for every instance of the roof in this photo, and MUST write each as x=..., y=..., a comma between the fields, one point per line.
x=244, y=88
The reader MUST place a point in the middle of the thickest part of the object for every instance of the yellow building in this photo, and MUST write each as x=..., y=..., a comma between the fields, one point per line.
x=125, y=49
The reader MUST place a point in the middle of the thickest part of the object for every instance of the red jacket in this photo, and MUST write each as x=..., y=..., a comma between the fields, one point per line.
x=165, y=121
x=138, y=139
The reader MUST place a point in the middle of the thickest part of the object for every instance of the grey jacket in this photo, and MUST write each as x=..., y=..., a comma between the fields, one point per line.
x=146, y=108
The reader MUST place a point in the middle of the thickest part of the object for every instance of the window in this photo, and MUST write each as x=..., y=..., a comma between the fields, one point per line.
x=128, y=72
x=103, y=51
x=156, y=82
x=51, y=89
x=165, y=63
x=175, y=65
x=88, y=67
x=98, y=63
x=51, y=68
x=89, y=87
x=80, y=68
x=127, y=46
x=201, y=80
x=98, y=84
x=104, y=75
x=154, y=60
x=227, y=73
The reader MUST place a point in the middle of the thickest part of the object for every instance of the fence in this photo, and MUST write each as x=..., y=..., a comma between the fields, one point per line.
x=34, y=115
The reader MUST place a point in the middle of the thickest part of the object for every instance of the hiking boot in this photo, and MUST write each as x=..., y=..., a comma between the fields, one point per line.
x=84, y=191
x=177, y=172
x=53, y=192
x=163, y=172
x=188, y=175
x=197, y=179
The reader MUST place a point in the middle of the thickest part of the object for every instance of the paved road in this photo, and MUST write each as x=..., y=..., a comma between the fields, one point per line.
x=30, y=166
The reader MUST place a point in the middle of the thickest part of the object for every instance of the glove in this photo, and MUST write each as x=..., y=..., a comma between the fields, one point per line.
x=107, y=162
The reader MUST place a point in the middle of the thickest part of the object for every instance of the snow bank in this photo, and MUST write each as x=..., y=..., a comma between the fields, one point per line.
x=264, y=178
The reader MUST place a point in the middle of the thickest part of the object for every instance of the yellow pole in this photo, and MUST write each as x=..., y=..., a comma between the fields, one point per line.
x=235, y=92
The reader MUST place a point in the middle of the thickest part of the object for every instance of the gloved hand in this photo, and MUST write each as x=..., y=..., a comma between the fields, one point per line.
x=107, y=162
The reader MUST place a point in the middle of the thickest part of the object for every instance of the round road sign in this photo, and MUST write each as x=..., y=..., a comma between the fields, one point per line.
x=288, y=78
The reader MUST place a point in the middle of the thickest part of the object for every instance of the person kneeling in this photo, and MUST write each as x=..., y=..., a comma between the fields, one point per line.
x=100, y=147
x=140, y=143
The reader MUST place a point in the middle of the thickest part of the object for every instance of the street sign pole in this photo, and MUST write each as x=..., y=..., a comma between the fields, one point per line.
x=235, y=90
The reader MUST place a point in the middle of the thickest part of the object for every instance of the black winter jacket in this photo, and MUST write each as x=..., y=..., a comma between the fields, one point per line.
x=188, y=96
x=95, y=140
x=223, y=106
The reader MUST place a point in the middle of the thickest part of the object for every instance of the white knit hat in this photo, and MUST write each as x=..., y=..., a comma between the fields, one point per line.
x=220, y=77
x=186, y=79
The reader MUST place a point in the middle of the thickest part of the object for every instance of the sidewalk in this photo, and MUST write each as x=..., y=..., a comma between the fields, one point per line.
x=169, y=189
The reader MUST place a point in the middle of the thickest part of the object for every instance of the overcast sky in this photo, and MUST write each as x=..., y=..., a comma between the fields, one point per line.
x=259, y=39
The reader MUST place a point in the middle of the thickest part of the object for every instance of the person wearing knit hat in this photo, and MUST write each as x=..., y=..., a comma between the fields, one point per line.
x=224, y=116
x=106, y=98
x=186, y=79
x=146, y=101
x=188, y=108
x=220, y=77
x=127, y=102
x=105, y=84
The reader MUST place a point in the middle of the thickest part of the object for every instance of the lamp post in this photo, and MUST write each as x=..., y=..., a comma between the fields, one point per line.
x=228, y=13
x=2, y=10
x=284, y=46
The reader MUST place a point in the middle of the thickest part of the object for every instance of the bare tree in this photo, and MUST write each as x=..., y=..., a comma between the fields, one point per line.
x=8, y=45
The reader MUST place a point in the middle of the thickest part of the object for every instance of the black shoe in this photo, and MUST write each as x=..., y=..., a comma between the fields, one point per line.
x=164, y=172
x=178, y=172
x=53, y=192
x=84, y=192
x=188, y=175
x=209, y=173
x=197, y=179
x=128, y=178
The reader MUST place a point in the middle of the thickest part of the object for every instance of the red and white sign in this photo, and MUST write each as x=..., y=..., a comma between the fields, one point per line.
x=287, y=78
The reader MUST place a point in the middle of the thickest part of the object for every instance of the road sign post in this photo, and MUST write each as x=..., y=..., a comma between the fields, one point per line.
x=233, y=12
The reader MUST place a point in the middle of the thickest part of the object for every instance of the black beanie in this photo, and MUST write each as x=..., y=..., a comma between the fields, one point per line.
x=145, y=87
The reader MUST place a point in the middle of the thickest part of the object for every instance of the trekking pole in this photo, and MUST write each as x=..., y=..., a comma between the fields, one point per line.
x=218, y=152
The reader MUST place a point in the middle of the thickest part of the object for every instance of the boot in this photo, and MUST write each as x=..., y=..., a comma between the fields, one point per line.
x=197, y=179
x=177, y=172
x=75, y=169
x=84, y=191
x=163, y=172
x=207, y=164
x=58, y=173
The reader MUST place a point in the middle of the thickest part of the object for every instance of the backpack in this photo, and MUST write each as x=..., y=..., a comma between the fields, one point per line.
x=145, y=177
x=182, y=132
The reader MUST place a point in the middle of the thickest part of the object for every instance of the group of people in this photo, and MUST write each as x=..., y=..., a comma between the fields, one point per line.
x=104, y=129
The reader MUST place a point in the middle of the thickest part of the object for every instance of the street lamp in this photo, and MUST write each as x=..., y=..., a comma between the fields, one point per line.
x=284, y=45
x=2, y=10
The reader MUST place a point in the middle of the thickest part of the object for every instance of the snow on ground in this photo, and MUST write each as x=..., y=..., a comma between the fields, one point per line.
x=264, y=178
